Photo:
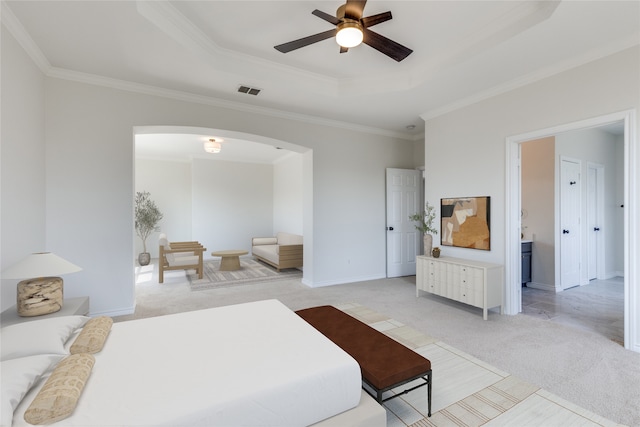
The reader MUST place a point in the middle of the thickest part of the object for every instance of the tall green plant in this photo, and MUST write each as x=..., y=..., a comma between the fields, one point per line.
x=147, y=216
x=425, y=220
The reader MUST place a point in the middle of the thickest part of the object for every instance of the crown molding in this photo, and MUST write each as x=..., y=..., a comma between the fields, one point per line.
x=558, y=68
x=93, y=79
x=17, y=30
x=522, y=16
x=176, y=26
x=15, y=27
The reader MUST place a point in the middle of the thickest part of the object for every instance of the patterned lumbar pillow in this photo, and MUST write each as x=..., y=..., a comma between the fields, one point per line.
x=92, y=337
x=59, y=396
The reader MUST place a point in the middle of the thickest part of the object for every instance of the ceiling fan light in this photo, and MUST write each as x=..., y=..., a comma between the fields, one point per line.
x=349, y=34
x=212, y=146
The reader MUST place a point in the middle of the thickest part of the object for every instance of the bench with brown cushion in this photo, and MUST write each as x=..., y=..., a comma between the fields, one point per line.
x=385, y=363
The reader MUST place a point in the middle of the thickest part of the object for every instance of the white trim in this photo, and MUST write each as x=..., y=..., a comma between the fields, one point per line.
x=543, y=286
x=173, y=23
x=528, y=79
x=631, y=285
x=114, y=313
x=320, y=284
x=17, y=30
x=207, y=100
x=512, y=219
x=512, y=247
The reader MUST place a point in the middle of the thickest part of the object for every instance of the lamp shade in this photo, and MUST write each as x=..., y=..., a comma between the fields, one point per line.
x=41, y=264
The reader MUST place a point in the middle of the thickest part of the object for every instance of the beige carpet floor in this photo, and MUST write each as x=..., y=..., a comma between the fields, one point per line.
x=584, y=368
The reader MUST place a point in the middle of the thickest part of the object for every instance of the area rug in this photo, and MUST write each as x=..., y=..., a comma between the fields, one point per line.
x=250, y=272
x=468, y=392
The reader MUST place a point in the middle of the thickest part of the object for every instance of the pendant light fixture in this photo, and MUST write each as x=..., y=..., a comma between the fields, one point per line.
x=213, y=145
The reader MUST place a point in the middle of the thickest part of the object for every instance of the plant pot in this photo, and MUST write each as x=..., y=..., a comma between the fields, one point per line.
x=428, y=244
x=144, y=258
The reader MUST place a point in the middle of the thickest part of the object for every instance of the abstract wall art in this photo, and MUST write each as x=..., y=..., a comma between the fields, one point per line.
x=465, y=222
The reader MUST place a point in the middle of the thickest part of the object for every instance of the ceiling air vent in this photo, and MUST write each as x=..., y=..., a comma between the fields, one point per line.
x=249, y=90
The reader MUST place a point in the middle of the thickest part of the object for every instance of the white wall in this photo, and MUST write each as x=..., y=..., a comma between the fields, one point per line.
x=538, y=201
x=169, y=185
x=288, y=195
x=465, y=149
x=22, y=154
x=89, y=175
x=228, y=202
x=232, y=202
x=597, y=146
x=418, y=156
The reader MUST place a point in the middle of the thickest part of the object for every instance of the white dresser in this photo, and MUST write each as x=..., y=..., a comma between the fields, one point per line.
x=475, y=283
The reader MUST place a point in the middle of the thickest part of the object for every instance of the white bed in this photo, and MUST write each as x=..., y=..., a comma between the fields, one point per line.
x=248, y=364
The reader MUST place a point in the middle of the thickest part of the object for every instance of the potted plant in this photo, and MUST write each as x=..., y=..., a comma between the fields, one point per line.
x=424, y=224
x=147, y=218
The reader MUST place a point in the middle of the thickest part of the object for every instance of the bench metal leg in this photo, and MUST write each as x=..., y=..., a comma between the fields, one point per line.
x=429, y=393
x=427, y=382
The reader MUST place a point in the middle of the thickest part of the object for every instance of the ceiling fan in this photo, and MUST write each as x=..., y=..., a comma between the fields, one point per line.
x=351, y=30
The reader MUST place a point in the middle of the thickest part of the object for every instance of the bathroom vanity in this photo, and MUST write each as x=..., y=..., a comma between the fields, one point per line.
x=526, y=261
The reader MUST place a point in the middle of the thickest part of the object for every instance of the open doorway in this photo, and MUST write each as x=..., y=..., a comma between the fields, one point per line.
x=571, y=196
x=513, y=296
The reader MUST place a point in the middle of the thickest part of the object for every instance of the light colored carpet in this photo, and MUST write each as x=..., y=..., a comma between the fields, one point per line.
x=251, y=271
x=468, y=392
x=583, y=367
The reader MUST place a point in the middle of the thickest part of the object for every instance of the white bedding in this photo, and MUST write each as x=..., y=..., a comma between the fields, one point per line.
x=249, y=364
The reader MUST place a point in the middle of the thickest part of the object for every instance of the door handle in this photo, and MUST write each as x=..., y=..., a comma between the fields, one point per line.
x=390, y=228
x=565, y=231
x=596, y=228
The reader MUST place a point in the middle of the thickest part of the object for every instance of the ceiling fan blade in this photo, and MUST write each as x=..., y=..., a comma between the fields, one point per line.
x=354, y=9
x=329, y=18
x=306, y=41
x=387, y=46
x=372, y=20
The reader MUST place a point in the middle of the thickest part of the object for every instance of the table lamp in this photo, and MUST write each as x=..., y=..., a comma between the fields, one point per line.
x=40, y=293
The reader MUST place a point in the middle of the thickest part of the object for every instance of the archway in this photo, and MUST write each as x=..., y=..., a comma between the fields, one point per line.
x=303, y=155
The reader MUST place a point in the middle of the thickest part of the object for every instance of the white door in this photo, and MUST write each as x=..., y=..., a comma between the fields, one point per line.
x=595, y=188
x=570, y=186
x=403, y=240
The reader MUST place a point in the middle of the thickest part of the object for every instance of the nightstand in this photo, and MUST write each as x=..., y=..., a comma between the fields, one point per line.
x=70, y=307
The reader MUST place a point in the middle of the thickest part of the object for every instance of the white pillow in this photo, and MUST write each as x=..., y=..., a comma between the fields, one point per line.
x=46, y=336
x=18, y=376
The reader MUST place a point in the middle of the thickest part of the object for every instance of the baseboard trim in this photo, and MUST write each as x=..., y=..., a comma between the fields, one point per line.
x=114, y=313
x=543, y=286
x=341, y=281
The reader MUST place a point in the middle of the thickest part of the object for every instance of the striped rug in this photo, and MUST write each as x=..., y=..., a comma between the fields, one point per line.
x=251, y=272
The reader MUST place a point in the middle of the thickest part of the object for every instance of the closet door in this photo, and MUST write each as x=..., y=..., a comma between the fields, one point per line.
x=570, y=220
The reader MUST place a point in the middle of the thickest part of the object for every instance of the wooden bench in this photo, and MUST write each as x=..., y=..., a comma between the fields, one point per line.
x=385, y=363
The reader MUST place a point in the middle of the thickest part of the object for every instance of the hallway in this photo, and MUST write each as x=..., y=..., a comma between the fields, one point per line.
x=598, y=307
